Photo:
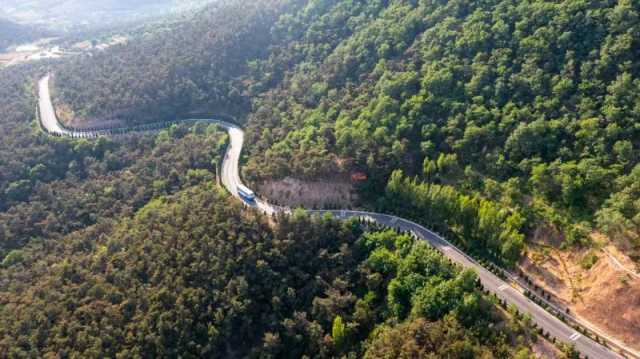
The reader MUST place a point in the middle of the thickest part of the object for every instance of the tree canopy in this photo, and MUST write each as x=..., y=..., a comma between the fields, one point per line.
x=195, y=275
x=537, y=98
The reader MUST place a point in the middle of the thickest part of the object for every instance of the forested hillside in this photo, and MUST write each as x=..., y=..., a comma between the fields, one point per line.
x=15, y=34
x=534, y=104
x=51, y=186
x=488, y=121
x=193, y=67
x=125, y=247
x=196, y=275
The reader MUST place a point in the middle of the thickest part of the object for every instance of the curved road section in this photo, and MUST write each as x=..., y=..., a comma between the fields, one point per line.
x=230, y=175
x=48, y=118
x=231, y=179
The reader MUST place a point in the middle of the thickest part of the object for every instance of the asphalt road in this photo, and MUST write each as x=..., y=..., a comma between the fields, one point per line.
x=513, y=295
x=231, y=171
x=48, y=117
x=230, y=177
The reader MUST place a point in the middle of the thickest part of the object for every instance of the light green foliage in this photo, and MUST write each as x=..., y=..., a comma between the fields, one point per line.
x=620, y=215
x=443, y=170
x=422, y=281
x=482, y=226
x=542, y=94
x=426, y=288
x=589, y=260
x=578, y=186
x=338, y=333
x=382, y=261
x=524, y=353
x=14, y=257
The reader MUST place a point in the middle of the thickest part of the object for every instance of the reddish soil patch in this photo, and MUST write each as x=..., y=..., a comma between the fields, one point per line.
x=604, y=294
x=330, y=193
x=610, y=298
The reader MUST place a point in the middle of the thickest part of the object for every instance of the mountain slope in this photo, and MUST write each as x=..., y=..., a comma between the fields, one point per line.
x=195, y=275
x=481, y=96
x=539, y=99
x=12, y=33
x=100, y=257
x=194, y=66
x=504, y=116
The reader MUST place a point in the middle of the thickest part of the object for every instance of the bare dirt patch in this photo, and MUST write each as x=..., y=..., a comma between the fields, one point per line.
x=329, y=193
x=591, y=284
x=542, y=349
x=11, y=57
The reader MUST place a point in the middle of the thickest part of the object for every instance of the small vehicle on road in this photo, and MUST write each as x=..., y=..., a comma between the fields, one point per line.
x=246, y=194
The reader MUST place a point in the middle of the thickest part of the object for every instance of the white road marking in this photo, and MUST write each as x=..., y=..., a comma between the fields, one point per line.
x=503, y=287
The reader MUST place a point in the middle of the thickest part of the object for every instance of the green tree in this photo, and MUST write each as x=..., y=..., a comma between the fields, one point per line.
x=338, y=333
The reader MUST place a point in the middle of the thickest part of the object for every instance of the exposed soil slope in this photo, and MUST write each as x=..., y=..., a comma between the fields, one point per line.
x=605, y=294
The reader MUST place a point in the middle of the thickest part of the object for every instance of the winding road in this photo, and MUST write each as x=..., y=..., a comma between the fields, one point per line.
x=511, y=292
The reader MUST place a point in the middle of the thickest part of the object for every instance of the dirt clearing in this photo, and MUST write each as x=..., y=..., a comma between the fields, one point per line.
x=329, y=193
x=595, y=283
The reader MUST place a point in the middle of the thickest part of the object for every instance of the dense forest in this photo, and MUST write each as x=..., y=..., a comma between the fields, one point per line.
x=193, y=66
x=479, y=226
x=195, y=275
x=531, y=105
x=51, y=186
x=480, y=119
x=125, y=247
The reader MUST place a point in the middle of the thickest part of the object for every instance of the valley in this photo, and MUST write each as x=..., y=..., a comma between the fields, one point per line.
x=67, y=15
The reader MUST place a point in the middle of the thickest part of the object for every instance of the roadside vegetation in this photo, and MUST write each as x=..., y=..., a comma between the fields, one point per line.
x=479, y=226
x=530, y=105
x=491, y=122
x=52, y=186
x=194, y=274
